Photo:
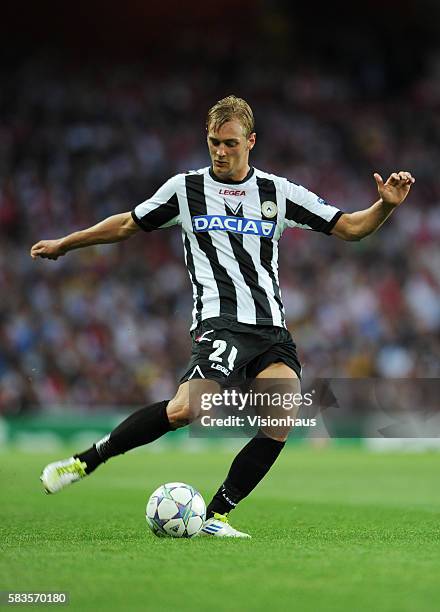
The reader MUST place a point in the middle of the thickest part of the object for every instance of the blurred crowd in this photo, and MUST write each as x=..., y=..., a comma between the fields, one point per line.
x=108, y=326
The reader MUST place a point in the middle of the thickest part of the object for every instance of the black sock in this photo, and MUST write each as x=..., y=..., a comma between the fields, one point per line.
x=141, y=427
x=249, y=467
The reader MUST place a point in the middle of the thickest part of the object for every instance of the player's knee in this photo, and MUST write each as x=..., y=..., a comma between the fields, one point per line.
x=181, y=414
x=280, y=434
x=185, y=407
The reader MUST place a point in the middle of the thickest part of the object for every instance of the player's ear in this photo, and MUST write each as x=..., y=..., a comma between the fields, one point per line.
x=251, y=140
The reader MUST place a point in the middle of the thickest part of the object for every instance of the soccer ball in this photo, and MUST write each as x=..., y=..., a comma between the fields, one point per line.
x=175, y=509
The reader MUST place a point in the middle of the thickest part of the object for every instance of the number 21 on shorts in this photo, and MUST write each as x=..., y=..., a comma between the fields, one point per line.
x=220, y=347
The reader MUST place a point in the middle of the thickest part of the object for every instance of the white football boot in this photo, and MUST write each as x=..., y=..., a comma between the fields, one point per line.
x=60, y=474
x=219, y=527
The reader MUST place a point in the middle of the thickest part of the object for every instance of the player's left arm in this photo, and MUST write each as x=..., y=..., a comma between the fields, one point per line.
x=357, y=225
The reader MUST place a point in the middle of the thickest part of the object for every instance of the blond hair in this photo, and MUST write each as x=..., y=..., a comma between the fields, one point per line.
x=230, y=108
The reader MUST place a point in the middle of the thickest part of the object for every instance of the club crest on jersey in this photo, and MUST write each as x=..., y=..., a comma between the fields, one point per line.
x=269, y=209
x=236, y=225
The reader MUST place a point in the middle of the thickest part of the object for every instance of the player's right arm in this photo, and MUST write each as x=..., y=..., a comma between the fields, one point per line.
x=113, y=229
x=159, y=211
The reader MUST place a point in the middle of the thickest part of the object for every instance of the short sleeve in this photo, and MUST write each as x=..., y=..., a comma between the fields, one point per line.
x=306, y=210
x=161, y=210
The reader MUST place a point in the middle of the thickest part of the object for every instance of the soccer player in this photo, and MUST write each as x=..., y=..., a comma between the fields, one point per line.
x=232, y=216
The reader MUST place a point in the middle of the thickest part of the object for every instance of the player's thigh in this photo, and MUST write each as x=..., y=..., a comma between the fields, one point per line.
x=186, y=404
x=279, y=371
x=279, y=390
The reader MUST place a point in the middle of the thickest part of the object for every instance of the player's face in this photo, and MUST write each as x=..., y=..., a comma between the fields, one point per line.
x=229, y=150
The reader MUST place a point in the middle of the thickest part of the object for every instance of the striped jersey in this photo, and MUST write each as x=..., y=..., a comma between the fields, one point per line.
x=230, y=233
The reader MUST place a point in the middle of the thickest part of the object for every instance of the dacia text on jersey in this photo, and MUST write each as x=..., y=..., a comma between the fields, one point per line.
x=237, y=225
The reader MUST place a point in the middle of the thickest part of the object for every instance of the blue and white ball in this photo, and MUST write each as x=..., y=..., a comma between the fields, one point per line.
x=176, y=509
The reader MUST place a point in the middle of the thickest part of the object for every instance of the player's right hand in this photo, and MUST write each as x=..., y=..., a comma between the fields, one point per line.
x=47, y=249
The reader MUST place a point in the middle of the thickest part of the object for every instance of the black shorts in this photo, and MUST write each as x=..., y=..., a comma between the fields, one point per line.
x=231, y=353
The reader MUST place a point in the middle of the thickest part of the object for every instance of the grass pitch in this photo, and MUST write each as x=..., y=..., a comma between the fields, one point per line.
x=333, y=529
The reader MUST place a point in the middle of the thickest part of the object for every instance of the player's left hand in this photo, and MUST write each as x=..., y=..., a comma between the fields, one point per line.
x=397, y=187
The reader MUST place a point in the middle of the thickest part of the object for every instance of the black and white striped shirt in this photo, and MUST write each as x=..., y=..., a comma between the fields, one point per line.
x=230, y=234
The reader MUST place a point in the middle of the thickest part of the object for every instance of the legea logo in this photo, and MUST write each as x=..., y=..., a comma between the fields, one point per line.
x=237, y=225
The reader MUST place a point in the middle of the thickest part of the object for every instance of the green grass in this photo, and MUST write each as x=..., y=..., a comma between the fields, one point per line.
x=333, y=529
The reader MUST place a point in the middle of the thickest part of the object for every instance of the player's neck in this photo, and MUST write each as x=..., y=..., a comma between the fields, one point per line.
x=238, y=177
x=241, y=174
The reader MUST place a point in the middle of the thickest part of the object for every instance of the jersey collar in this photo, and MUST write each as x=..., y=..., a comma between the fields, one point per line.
x=217, y=180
